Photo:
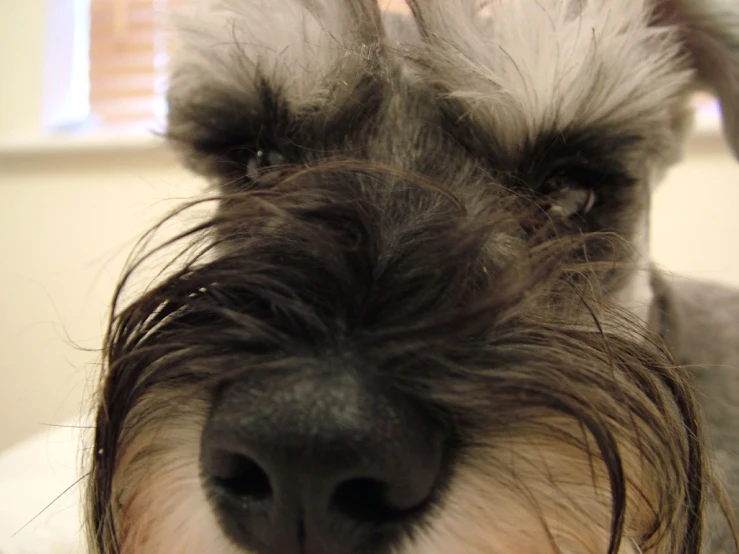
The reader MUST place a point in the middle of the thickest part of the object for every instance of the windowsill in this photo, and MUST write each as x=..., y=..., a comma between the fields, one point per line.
x=93, y=143
x=707, y=134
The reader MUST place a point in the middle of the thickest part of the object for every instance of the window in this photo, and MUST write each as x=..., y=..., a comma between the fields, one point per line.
x=707, y=106
x=128, y=63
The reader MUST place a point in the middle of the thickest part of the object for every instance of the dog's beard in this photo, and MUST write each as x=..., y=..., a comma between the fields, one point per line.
x=571, y=438
x=526, y=494
x=522, y=492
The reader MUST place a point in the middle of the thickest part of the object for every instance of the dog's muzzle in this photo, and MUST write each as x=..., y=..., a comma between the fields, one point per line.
x=326, y=465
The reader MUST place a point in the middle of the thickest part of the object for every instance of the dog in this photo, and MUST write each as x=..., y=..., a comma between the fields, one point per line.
x=420, y=316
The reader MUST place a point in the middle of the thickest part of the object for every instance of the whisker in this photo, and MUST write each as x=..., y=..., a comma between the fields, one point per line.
x=50, y=504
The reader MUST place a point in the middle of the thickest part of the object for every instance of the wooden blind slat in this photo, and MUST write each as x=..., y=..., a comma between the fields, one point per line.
x=137, y=58
x=127, y=46
x=121, y=82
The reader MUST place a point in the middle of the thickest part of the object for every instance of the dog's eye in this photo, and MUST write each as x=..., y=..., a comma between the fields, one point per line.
x=566, y=196
x=260, y=161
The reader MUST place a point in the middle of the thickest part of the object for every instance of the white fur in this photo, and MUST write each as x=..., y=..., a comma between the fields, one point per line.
x=226, y=45
x=527, y=66
x=636, y=295
x=162, y=504
x=524, y=493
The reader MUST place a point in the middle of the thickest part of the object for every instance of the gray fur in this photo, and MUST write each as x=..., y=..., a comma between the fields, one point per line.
x=700, y=322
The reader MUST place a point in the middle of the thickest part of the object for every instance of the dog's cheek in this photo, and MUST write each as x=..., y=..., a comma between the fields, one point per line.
x=161, y=505
x=534, y=494
x=169, y=513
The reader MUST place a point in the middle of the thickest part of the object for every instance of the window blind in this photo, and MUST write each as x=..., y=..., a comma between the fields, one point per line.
x=128, y=63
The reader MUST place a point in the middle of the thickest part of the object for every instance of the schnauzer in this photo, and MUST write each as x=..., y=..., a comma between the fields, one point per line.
x=419, y=318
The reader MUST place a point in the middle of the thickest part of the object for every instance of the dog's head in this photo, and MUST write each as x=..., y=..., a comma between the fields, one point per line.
x=413, y=323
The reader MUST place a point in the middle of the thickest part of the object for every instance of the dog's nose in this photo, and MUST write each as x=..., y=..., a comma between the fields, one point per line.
x=331, y=465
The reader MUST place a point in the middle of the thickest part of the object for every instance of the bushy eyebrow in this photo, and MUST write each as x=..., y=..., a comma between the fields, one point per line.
x=219, y=131
x=599, y=151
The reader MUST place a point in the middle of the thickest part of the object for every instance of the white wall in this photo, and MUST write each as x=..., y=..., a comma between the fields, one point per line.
x=22, y=45
x=695, y=229
x=67, y=223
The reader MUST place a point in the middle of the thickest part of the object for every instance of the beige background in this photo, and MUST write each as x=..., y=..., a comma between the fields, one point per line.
x=68, y=219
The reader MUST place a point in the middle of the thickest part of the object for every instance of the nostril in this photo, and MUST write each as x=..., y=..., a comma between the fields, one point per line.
x=366, y=500
x=239, y=476
x=330, y=464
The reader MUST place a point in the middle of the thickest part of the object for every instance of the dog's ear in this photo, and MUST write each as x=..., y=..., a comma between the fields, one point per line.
x=710, y=34
x=244, y=67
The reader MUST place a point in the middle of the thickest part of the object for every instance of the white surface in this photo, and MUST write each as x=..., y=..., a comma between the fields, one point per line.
x=33, y=475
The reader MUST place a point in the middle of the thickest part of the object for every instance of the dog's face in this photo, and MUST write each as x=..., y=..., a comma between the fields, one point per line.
x=405, y=327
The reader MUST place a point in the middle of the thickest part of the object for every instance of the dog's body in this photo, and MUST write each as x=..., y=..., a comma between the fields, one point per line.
x=700, y=323
x=421, y=319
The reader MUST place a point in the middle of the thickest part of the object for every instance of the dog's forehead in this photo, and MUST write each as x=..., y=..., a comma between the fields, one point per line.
x=512, y=70
x=523, y=66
